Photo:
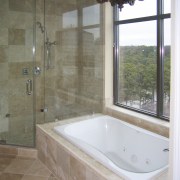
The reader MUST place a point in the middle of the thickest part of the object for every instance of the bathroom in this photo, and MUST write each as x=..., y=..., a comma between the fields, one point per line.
x=56, y=65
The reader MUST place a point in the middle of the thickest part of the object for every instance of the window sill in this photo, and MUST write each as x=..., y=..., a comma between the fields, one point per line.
x=144, y=121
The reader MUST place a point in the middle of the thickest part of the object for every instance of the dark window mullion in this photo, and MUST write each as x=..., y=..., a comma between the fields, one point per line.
x=148, y=18
x=116, y=57
x=160, y=59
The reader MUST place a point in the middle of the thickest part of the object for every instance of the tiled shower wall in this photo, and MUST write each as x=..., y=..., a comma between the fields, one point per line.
x=16, y=42
x=74, y=80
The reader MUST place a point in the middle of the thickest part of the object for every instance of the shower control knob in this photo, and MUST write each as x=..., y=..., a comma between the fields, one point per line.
x=37, y=71
x=44, y=110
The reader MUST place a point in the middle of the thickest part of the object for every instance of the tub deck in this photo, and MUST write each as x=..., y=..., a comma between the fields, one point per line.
x=54, y=149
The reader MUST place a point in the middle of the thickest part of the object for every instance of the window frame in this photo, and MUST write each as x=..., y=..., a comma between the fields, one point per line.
x=159, y=18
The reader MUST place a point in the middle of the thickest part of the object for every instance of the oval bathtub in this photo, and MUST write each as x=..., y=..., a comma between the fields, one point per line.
x=129, y=151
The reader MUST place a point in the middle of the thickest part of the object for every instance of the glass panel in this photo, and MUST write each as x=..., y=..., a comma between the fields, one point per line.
x=94, y=32
x=92, y=65
x=91, y=15
x=167, y=6
x=137, y=67
x=74, y=78
x=140, y=9
x=167, y=55
x=70, y=19
x=16, y=73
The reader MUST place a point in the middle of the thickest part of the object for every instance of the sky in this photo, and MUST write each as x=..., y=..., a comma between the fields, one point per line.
x=144, y=33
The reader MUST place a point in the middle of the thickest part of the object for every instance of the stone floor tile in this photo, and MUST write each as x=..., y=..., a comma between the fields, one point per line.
x=19, y=166
x=9, y=176
x=30, y=177
x=38, y=169
x=5, y=161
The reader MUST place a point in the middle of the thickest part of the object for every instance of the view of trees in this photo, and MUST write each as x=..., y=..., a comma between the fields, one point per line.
x=137, y=77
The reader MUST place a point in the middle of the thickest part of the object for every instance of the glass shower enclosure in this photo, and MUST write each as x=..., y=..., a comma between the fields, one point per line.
x=51, y=64
x=16, y=72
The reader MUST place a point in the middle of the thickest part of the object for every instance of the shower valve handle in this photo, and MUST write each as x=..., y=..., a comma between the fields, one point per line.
x=29, y=87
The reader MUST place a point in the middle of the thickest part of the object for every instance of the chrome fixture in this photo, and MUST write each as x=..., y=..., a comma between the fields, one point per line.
x=40, y=26
x=48, y=46
x=37, y=71
x=45, y=109
x=25, y=71
x=166, y=150
x=48, y=53
x=120, y=3
x=29, y=87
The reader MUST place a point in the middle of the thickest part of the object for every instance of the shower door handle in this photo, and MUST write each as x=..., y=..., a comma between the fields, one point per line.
x=29, y=87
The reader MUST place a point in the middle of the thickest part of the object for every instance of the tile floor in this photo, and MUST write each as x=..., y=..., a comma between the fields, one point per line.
x=19, y=168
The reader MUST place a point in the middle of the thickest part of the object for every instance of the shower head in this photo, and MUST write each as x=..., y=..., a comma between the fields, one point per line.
x=40, y=26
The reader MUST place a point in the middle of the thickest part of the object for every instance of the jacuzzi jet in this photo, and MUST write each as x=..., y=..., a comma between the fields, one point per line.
x=148, y=161
x=166, y=150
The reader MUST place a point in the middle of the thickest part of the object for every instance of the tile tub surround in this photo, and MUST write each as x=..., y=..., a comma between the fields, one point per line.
x=152, y=124
x=67, y=161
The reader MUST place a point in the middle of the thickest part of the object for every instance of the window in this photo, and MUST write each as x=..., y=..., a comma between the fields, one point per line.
x=142, y=57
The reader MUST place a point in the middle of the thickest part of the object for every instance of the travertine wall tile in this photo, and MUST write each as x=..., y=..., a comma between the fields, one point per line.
x=16, y=53
x=21, y=5
x=41, y=146
x=16, y=20
x=62, y=168
x=150, y=125
x=16, y=37
x=91, y=175
x=16, y=71
x=29, y=37
x=51, y=158
x=3, y=19
x=77, y=169
x=3, y=71
x=3, y=54
x=4, y=5
x=3, y=36
x=16, y=5
x=39, y=6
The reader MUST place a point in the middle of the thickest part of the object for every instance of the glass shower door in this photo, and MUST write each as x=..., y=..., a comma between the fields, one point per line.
x=16, y=72
x=74, y=67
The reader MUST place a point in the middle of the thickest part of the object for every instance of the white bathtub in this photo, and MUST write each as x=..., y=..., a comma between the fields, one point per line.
x=129, y=151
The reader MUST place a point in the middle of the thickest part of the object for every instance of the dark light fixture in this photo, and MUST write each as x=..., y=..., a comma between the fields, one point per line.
x=120, y=3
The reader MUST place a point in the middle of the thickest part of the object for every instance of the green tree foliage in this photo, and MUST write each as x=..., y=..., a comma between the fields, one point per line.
x=138, y=72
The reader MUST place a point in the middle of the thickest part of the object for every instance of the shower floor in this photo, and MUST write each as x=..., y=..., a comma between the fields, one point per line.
x=18, y=168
